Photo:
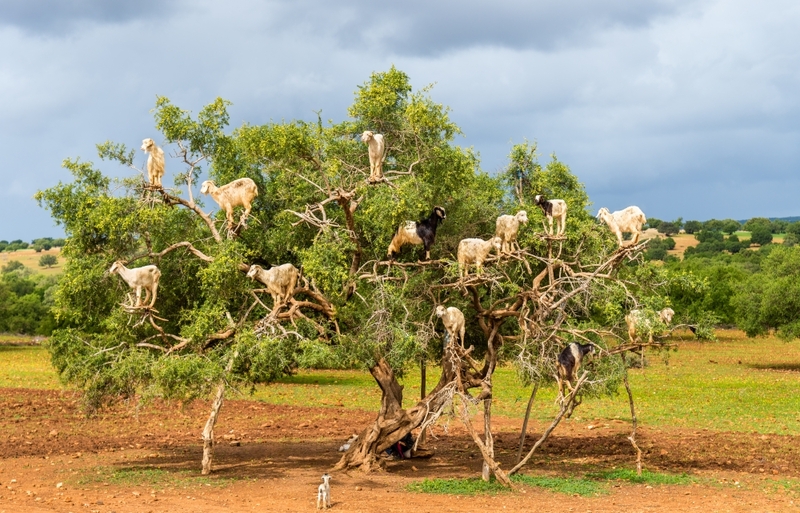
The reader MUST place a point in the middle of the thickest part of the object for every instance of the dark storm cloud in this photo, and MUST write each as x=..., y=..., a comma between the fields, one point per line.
x=426, y=28
x=59, y=17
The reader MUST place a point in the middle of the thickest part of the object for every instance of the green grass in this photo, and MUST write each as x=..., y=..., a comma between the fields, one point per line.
x=702, y=386
x=468, y=486
x=568, y=485
x=590, y=485
x=647, y=477
x=149, y=477
x=24, y=366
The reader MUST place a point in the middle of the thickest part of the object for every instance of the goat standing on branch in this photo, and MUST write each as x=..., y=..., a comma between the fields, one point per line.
x=507, y=228
x=139, y=278
x=569, y=362
x=639, y=323
x=155, y=162
x=475, y=251
x=629, y=220
x=377, y=154
x=280, y=281
x=419, y=232
x=454, y=323
x=556, y=208
x=238, y=193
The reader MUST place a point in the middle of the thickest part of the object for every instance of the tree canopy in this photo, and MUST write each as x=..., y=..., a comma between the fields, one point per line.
x=212, y=326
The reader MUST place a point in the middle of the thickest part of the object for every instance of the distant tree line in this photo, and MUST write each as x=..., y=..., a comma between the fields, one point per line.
x=39, y=245
x=757, y=291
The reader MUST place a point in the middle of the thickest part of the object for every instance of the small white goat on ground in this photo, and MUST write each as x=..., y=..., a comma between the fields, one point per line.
x=475, y=251
x=377, y=154
x=507, y=228
x=155, y=162
x=280, y=281
x=640, y=324
x=630, y=220
x=139, y=278
x=324, y=493
x=553, y=209
x=454, y=323
x=238, y=193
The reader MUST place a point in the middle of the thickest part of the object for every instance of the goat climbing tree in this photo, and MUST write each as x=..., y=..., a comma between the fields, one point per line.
x=317, y=209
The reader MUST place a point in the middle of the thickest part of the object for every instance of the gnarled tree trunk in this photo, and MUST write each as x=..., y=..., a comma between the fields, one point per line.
x=393, y=422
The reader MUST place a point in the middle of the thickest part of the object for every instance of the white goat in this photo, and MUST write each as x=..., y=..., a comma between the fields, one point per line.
x=377, y=154
x=453, y=321
x=555, y=208
x=475, y=251
x=238, y=193
x=139, y=278
x=629, y=219
x=639, y=323
x=324, y=493
x=155, y=162
x=280, y=281
x=507, y=228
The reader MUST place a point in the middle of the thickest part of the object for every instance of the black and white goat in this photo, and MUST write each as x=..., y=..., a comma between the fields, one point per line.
x=417, y=232
x=569, y=362
x=556, y=208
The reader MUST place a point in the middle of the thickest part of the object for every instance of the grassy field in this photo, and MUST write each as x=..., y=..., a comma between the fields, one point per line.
x=734, y=384
x=30, y=259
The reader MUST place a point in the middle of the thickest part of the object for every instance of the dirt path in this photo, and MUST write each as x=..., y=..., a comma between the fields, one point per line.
x=269, y=458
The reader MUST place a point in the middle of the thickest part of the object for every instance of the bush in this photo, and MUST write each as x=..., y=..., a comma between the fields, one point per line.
x=657, y=248
x=693, y=226
x=709, y=236
x=11, y=266
x=48, y=261
x=761, y=235
x=791, y=239
x=729, y=226
x=668, y=228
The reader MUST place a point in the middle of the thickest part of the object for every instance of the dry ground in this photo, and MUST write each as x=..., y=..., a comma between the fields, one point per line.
x=269, y=458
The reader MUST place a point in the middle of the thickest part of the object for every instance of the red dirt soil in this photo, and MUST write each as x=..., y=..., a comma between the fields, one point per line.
x=270, y=458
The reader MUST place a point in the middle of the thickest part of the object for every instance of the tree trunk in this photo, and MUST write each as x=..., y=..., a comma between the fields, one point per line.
x=524, y=430
x=208, y=431
x=632, y=438
x=393, y=422
x=487, y=437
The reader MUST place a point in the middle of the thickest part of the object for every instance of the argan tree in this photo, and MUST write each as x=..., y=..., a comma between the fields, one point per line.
x=212, y=327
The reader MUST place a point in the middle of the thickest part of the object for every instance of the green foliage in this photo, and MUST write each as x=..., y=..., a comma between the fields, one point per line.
x=11, y=266
x=48, y=261
x=692, y=226
x=755, y=222
x=769, y=298
x=657, y=248
x=25, y=300
x=761, y=234
x=653, y=222
x=668, y=228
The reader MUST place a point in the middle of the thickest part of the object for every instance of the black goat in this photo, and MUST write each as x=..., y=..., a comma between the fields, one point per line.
x=419, y=232
x=569, y=361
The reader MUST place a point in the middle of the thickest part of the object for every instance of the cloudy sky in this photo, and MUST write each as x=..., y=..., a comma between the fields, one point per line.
x=685, y=108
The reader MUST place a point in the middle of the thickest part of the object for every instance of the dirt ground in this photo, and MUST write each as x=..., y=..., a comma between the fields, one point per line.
x=270, y=458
